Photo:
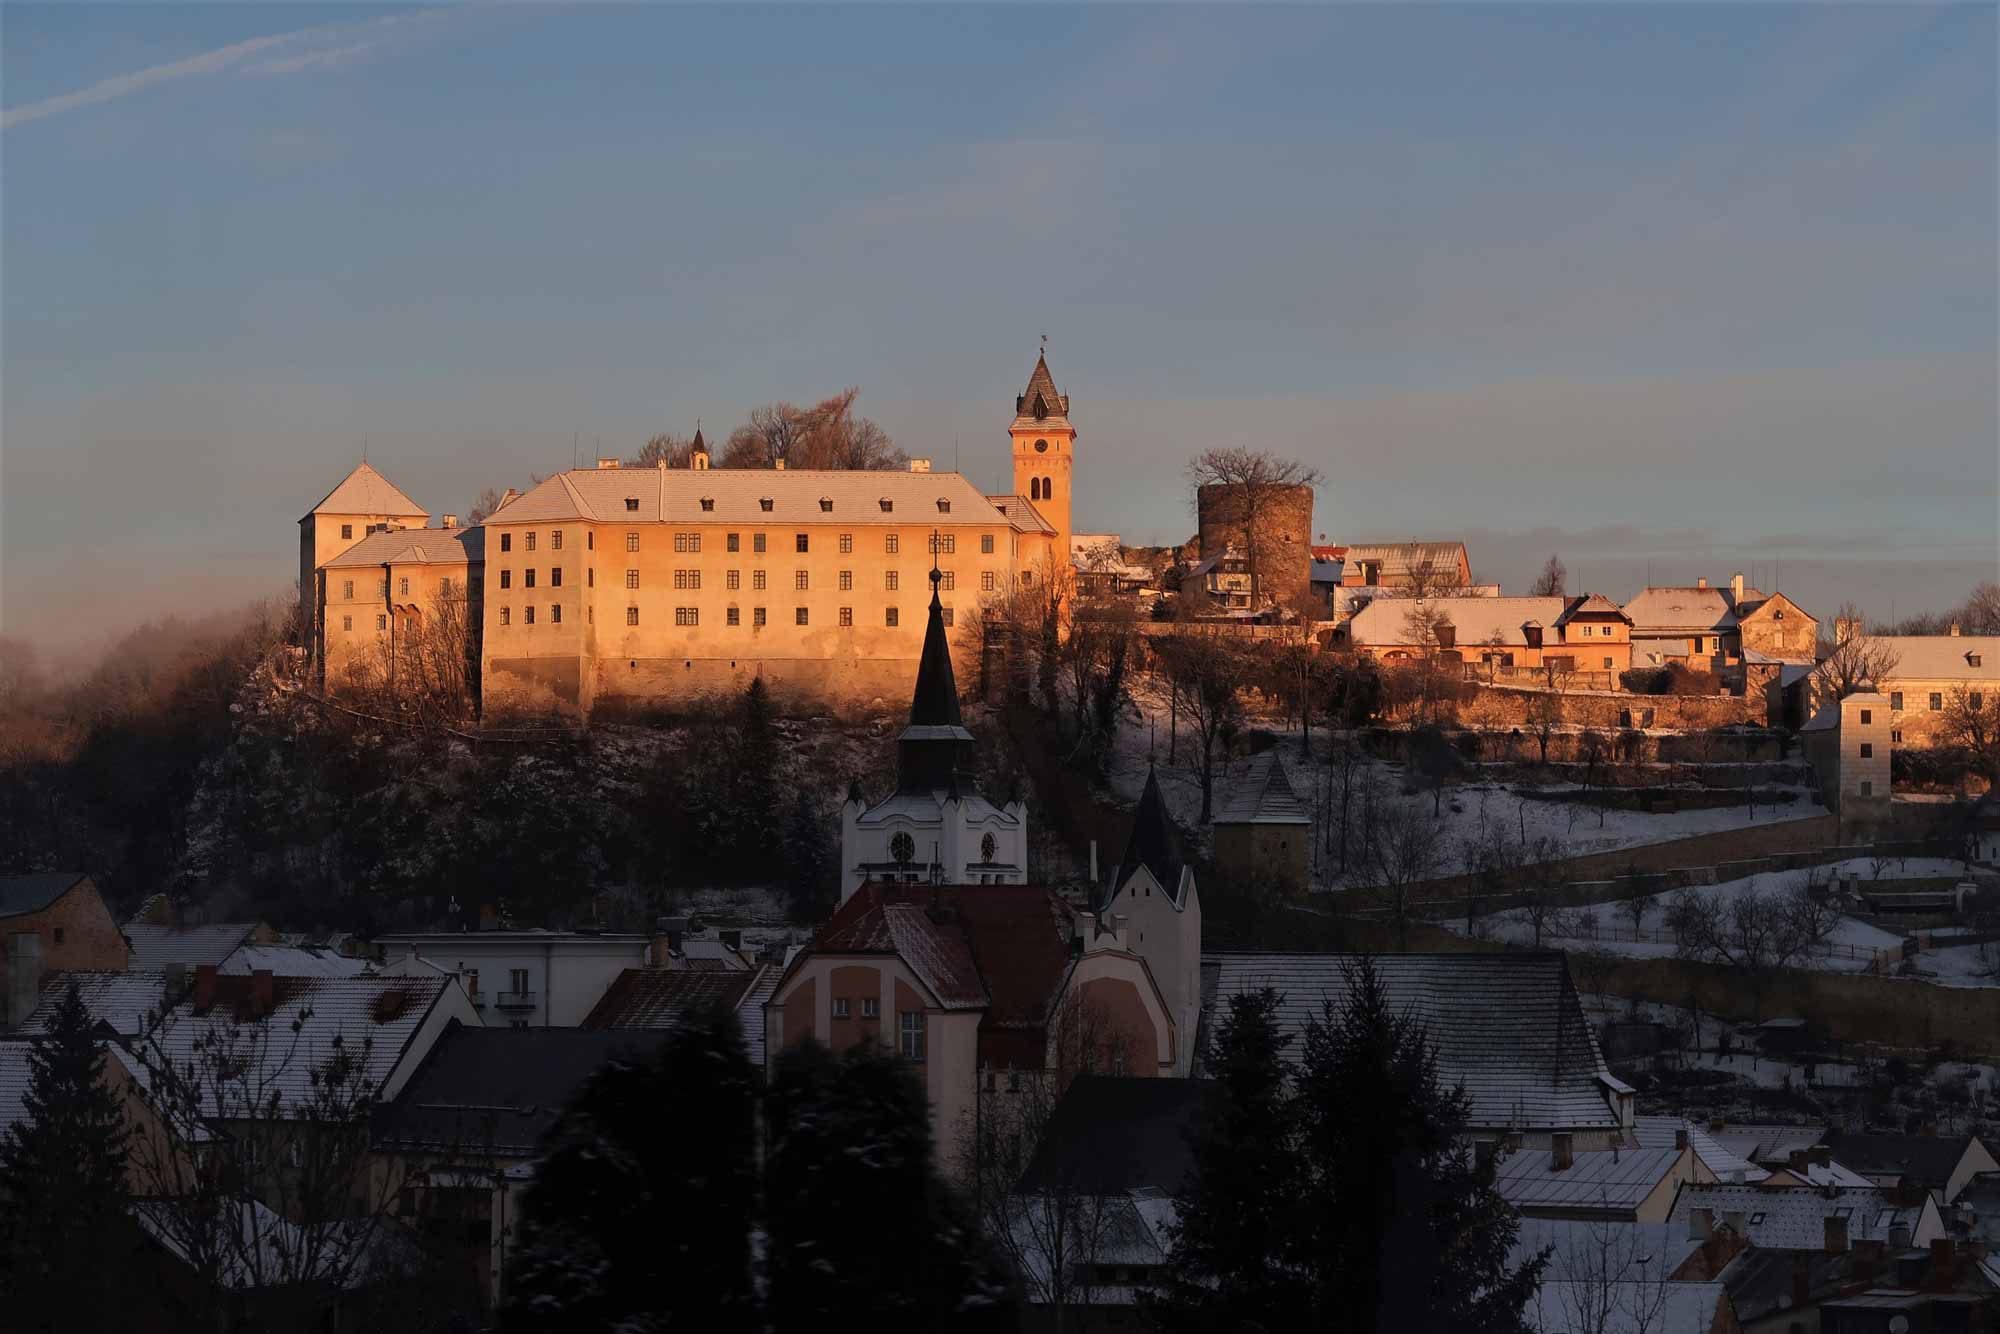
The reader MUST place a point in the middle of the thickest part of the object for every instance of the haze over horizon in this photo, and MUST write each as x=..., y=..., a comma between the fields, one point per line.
x=1672, y=291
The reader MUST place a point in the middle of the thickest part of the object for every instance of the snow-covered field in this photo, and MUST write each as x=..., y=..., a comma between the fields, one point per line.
x=1960, y=965
x=1468, y=810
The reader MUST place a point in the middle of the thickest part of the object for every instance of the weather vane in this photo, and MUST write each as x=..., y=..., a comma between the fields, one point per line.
x=1045, y=345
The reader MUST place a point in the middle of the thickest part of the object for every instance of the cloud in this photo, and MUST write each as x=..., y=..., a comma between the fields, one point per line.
x=304, y=51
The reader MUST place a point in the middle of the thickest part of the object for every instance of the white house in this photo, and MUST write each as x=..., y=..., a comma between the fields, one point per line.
x=525, y=979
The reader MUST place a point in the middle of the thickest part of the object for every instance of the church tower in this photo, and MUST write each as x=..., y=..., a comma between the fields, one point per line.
x=1044, y=447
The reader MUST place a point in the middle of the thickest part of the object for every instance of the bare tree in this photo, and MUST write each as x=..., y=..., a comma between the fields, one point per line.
x=1203, y=670
x=1856, y=662
x=1608, y=1279
x=1251, y=483
x=1541, y=896
x=1971, y=719
x=483, y=506
x=1544, y=718
x=666, y=449
x=1549, y=583
x=1982, y=610
x=827, y=434
x=1409, y=849
x=1428, y=578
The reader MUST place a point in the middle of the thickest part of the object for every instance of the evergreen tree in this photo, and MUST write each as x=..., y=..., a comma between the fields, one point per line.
x=62, y=1184
x=857, y=1217
x=1236, y=1211
x=806, y=860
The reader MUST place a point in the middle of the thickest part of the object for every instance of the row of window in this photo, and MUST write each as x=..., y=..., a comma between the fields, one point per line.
x=871, y=1007
x=944, y=544
x=689, y=581
x=528, y=614
x=347, y=623
x=1936, y=701
x=691, y=616
x=555, y=577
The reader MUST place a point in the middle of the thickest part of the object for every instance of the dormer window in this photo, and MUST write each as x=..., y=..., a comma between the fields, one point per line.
x=764, y=504
x=708, y=504
x=944, y=506
x=888, y=505
x=1973, y=659
x=631, y=504
x=826, y=504
x=1041, y=407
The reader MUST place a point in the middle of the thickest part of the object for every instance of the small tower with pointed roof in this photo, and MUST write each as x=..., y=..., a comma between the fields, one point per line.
x=1152, y=892
x=1044, y=449
x=698, y=451
x=365, y=502
x=936, y=827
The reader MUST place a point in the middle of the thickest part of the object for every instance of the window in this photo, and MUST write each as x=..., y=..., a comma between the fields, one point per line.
x=1896, y=699
x=888, y=505
x=732, y=617
x=986, y=581
x=1976, y=700
x=847, y=544
x=871, y=1007
x=403, y=586
x=944, y=506
x=764, y=504
x=347, y=622
x=631, y=504
x=756, y=618
x=732, y=580
x=505, y=617
x=381, y=622
x=947, y=613
x=946, y=544
x=517, y=981
x=847, y=615
x=687, y=616
x=528, y=615
x=1607, y=664
x=846, y=581
x=506, y=578
x=506, y=541
x=555, y=576
x=757, y=580
x=687, y=580
x=1867, y=788
x=757, y=543
x=889, y=616
x=1027, y=578
x=889, y=579
x=799, y=580
x=1868, y=715
x=825, y=505
x=801, y=542
x=799, y=616
x=1586, y=632
x=347, y=532
x=347, y=589
x=1697, y=643
x=1896, y=737
x=840, y=1007
x=708, y=504
x=531, y=541
x=631, y=616
x=1867, y=751
x=911, y=1035
x=555, y=540
x=555, y=613
x=948, y=579
x=681, y=543
x=589, y=541
x=528, y=577
x=1973, y=660
x=590, y=577
x=892, y=543
x=1937, y=701
x=631, y=541
x=631, y=578
x=733, y=542
x=986, y=544
x=385, y=586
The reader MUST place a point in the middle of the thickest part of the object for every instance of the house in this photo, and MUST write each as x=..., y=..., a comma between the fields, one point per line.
x=528, y=978
x=1587, y=633
x=1766, y=1145
x=1848, y=744
x=1714, y=1161
x=53, y=922
x=1153, y=889
x=163, y=932
x=1101, y=571
x=1404, y=564
x=1810, y=1217
x=1609, y=1185
x=974, y=984
x=1929, y=670
x=378, y=597
x=1627, y=1278
x=660, y=998
x=1263, y=833
x=464, y=1132
x=1862, y=1287
x=1940, y=1164
x=1509, y=1026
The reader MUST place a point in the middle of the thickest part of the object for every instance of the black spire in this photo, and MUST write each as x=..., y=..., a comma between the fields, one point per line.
x=1155, y=843
x=932, y=749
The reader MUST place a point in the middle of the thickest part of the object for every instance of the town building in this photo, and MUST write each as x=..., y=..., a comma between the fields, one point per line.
x=163, y=932
x=1433, y=565
x=363, y=504
x=1610, y=1185
x=662, y=999
x=530, y=978
x=53, y=922
x=1263, y=833
x=1587, y=634
x=1152, y=890
x=1929, y=673
x=402, y=601
x=1848, y=745
x=1810, y=1217
x=1716, y=629
x=1940, y=1164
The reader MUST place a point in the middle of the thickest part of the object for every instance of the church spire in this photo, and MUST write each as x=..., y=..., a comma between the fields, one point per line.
x=1040, y=401
x=932, y=750
x=1155, y=844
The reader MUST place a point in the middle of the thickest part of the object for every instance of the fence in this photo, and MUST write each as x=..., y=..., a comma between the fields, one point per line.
x=1879, y=959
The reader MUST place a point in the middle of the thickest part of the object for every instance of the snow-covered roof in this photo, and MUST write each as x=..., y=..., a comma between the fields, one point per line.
x=292, y=961
x=1794, y=1218
x=414, y=546
x=1659, y=1132
x=1021, y=514
x=365, y=491
x=1672, y=610
x=1477, y=620
x=1264, y=795
x=737, y=495
x=1941, y=657
x=120, y=1000
x=154, y=947
x=1612, y=1248
x=1767, y=1143
x=1598, y=1179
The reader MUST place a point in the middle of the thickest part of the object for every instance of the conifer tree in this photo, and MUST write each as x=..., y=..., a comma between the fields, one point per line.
x=62, y=1183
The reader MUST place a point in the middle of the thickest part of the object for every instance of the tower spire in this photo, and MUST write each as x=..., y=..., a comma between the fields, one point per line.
x=933, y=748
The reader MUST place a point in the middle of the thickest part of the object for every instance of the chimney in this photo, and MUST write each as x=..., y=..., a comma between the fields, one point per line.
x=660, y=951
x=1701, y=1224
x=204, y=987
x=1561, y=1155
x=262, y=992
x=448, y=521
x=1681, y=1138
x=920, y=465
x=1796, y=1160
x=1701, y=583
x=1836, y=1234
x=1801, y=1280
x=1954, y=631
x=24, y=976
x=675, y=930
x=507, y=497
x=1820, y=1154
x=604, y=465
x=1716, y=1126
x=1899, y=1236
x=777, y=465
x=1736, y=585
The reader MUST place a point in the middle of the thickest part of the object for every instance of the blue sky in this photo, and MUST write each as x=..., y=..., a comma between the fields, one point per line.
x=1680, y=289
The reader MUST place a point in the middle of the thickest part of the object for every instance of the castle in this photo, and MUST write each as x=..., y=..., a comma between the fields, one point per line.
x=612, y=586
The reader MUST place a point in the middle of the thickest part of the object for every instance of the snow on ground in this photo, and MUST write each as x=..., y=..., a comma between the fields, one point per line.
x=1960, y=965
x=1851, y=946
x=1467, y=812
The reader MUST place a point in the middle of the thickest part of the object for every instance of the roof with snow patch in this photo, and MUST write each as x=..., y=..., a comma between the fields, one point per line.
x=365, y=491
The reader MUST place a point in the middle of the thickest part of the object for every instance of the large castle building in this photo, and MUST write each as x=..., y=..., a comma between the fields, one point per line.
x=612, y=586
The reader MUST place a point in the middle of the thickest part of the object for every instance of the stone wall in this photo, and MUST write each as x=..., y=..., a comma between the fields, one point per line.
x=1500, y=708
x=1284, y=536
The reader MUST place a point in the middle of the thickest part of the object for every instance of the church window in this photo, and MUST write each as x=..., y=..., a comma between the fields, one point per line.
x=732, y=616
x=555, y=540
x=631, y=504
x=757, y=618
x=555, y=576
x=757, y=580
x=986, y=544
x=631, y=616
x=847, y=616
x=347, y=622
x=947, y=616
x=802, y=542
x=890, y=579
x=910, y=1040
x=944, y=506
x=840, y=1007
x=986, y=581
x=871, y=1007
x=708, y=504
x=528, y=614
x=846, y=580
x=528, y=577
x=902, y=848
x=347, y=589
x=988, y=846
x=631, y=578
x=892, y=544
x=506, y=616
x=888, y=505
x=733, y=580
x=764, y=504
x=347, y=532
x=825, y=505
x=757, y=543
x=799, y=616
x=799, y=580
x=734, y=542
x=555, y=613
x=531, y=541
x=631, y=541
x=889, y=617
x=847, y=544
x=687, y=616
x=506, y=541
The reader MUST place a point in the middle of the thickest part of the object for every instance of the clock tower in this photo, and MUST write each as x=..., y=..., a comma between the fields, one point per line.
x=1044, y=447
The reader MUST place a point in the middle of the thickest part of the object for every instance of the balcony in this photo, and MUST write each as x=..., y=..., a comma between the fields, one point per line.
x=515, y=1000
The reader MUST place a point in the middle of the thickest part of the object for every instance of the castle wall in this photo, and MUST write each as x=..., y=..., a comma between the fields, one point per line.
x=1283, y=537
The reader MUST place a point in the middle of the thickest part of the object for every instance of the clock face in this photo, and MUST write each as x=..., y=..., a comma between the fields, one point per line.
x=1041, y=446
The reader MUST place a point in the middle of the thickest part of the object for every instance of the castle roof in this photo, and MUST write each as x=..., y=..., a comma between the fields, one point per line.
x=365, y=491
x=1040, y=402
x=415, y=546
x=1021, y=513
x=737, y=495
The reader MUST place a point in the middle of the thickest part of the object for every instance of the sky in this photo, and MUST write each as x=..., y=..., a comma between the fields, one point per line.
x=1673, y=291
